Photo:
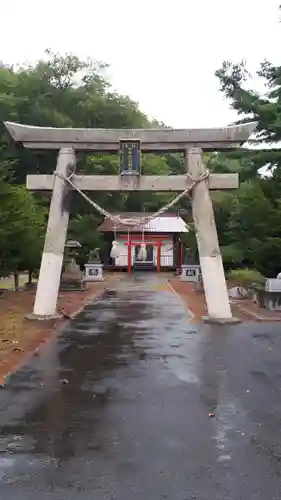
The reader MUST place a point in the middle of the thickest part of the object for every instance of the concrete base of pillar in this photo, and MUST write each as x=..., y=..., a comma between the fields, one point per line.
x=220, y=321
x=39, y=317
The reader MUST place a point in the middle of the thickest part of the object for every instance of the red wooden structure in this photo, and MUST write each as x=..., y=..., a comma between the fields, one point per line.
x=133, y=240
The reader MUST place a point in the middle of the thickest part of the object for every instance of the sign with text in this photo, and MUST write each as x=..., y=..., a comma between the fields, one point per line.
x=190, y=273
x=130, y=154
x=93, y=272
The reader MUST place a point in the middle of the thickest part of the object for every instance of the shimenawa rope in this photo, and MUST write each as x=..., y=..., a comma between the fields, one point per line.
x=135, y=222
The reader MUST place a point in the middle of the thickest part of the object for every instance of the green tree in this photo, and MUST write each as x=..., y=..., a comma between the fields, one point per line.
x=253, y=236
x=61, y=91
x=22, y=228
x=250, y=105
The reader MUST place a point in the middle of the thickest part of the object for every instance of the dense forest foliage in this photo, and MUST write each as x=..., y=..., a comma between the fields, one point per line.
x=63, y=91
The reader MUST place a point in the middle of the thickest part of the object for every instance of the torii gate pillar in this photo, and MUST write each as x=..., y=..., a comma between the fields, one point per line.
x=45, y=305
x=216, y=293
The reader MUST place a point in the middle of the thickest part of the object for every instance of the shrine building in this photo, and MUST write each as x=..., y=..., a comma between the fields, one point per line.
x=161, y=235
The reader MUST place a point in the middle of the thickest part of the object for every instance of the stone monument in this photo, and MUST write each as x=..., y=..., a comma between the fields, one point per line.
x=72, y=276
x=94, y=267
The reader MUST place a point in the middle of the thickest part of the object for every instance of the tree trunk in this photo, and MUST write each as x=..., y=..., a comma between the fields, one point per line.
x=16, y=282
x=29, y=277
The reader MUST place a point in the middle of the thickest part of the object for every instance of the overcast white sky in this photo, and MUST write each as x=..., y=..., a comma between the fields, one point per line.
x=162, y=53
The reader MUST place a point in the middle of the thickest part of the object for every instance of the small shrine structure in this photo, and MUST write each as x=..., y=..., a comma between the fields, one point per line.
x=161, y=236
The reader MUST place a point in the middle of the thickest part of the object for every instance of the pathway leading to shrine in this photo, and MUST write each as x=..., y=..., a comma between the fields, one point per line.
x=134, y=402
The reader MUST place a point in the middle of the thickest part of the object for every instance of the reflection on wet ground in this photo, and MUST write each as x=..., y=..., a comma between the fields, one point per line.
x=118, y=407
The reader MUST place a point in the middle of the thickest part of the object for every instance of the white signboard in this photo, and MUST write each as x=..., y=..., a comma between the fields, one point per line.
x=190, y=273
x=94, y=272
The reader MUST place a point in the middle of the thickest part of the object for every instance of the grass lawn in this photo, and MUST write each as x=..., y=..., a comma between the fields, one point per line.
x=9, y=282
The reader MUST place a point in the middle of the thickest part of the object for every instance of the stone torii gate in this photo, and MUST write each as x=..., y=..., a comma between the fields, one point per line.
x=192, y=142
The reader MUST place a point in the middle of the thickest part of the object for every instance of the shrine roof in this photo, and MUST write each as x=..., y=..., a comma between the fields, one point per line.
x=166, y=223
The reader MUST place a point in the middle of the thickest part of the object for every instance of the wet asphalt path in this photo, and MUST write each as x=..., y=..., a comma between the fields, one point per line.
x=117, y=407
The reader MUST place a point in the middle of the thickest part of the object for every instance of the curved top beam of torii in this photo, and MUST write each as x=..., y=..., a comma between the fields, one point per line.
x=95, y=139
